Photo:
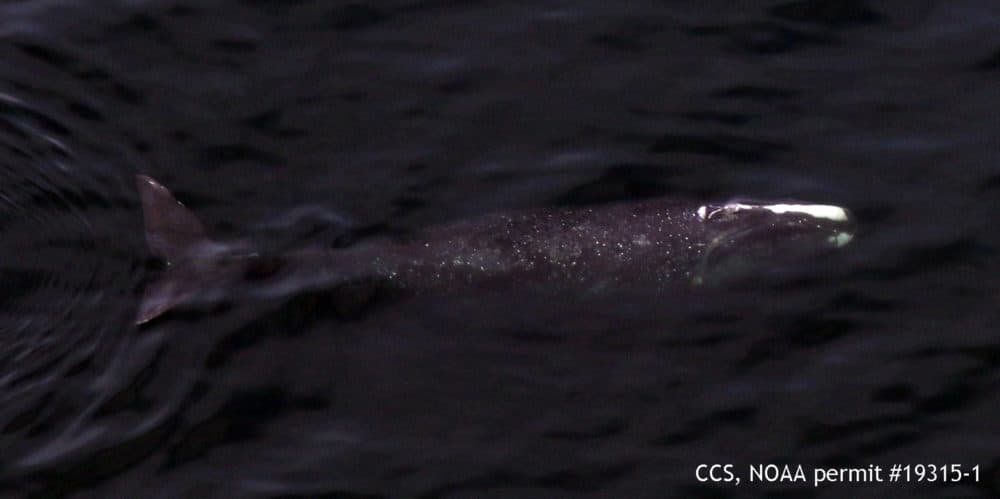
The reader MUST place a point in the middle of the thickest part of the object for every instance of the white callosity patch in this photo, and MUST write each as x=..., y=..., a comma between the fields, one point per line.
x=825, y=211
x=841, y=239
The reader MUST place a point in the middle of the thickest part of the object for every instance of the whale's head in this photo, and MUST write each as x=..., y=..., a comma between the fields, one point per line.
x=745, y=237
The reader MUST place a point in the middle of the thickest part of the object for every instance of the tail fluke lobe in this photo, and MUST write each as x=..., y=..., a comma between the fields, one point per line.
x=171, y=228
x=160, y=296
x=172, y=233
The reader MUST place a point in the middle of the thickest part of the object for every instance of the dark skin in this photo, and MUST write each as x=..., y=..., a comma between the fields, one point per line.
x=656, y=244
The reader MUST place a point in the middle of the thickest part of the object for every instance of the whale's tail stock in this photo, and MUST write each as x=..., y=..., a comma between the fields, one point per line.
x=195, y=264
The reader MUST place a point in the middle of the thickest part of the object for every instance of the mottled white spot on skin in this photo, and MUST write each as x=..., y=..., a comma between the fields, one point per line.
x=702, y=212
x=841, y=239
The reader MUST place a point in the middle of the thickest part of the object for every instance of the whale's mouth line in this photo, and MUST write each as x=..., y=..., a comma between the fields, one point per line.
x=790, y=242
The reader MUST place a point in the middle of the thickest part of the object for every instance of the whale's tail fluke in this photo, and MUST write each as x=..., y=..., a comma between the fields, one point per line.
x=171, y=229
x=172, y=234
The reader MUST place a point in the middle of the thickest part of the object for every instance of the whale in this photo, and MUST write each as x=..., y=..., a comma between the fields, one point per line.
x=664, y=245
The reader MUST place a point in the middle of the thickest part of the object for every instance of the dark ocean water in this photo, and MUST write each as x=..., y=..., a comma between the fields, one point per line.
x=285, y=122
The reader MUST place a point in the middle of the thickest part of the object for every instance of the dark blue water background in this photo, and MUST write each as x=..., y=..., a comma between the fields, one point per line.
x=279, y=121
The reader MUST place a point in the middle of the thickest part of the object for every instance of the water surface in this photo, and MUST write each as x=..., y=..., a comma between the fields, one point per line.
x=282, y=121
